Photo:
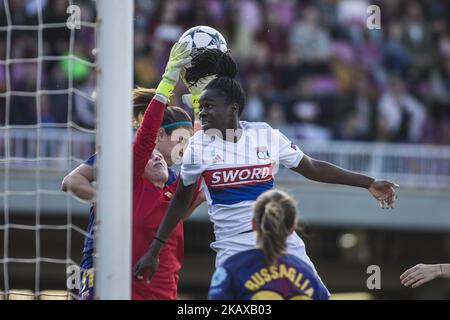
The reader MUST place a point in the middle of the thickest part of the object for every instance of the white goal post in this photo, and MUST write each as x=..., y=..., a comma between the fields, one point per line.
x=114, y=85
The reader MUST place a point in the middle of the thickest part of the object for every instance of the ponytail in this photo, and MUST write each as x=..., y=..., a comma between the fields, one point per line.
x=275, y=217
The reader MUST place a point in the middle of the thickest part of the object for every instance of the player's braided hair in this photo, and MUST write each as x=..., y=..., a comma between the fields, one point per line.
x=231, y=89
x=275, y=217
x=172, y=114
x=207, y=62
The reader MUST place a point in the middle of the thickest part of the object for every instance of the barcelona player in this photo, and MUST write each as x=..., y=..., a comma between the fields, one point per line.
x=268, y=272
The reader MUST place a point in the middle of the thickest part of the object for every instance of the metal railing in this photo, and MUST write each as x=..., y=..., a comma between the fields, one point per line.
x=410, y=165
x=50, y=147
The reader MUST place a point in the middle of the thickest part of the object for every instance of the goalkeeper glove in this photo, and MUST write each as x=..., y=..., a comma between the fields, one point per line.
x=179, y=57
x=191, y=101
x=196, y=89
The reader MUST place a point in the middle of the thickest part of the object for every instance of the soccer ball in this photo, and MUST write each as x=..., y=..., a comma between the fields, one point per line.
x=203, y=37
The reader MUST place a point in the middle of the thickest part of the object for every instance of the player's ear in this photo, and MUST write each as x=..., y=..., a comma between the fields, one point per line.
x=253, y=224
x=235, y=108
x=161, y=134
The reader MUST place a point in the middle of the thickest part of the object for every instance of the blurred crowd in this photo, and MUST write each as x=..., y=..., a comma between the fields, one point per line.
x=312, y=66
x=46, y=84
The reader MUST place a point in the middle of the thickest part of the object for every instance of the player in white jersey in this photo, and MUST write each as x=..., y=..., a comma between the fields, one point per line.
x=234, y=175
x=237, y=161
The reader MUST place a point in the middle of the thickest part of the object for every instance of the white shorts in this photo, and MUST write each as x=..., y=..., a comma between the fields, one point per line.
x=247, y=241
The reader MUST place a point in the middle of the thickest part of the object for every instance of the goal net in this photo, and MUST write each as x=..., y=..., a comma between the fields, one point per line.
x=54, y=58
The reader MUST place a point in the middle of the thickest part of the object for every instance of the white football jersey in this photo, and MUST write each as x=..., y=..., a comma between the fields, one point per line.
x=235, y=174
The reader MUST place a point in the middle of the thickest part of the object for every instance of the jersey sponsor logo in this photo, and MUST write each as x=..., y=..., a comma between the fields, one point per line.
x=227, y=177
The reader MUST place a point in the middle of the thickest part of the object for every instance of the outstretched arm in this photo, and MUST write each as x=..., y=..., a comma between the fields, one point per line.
x=322, y=171
x=175, y=212
x=423, y=273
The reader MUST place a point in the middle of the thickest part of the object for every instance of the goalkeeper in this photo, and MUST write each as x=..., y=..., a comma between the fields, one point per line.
x=151, y=195
x=79, y=180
